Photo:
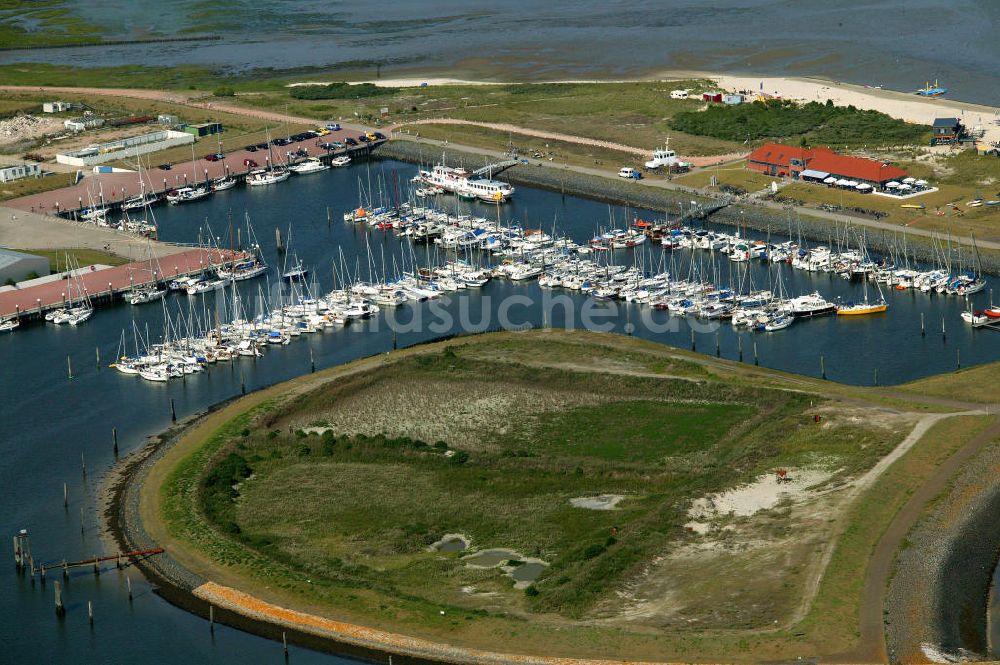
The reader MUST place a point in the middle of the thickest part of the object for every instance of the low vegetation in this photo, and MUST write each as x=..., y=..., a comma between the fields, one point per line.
x=341, y=90
x=348, y=485
x=812, y=123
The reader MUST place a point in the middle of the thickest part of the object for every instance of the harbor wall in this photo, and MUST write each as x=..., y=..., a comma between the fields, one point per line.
x=742, y=213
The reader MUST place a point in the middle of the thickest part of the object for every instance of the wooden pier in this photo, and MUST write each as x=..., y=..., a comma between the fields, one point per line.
x=105, y=286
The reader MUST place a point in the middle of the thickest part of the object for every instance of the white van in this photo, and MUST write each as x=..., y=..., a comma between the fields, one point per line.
x=679, y=94
x=629, y=172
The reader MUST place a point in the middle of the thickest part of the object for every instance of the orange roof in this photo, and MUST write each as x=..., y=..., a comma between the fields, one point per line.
x=855, y=168
x=781, y=155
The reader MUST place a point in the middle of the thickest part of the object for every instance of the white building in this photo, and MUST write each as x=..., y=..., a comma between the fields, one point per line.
x=56, y=107
x=84, y=123
x=127, y=148
x=18, y=171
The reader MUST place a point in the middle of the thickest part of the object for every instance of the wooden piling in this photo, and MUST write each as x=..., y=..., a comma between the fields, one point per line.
x=211, y=618
x=97, y=566
x=173, y=411
x=114, y=438
x=90, y=612
x=876, y=376
x=284, y=643
x=958, y=358
x=312, y=361
x=97, y=357
x=41, y=574
x=83, y=463
x=739, y=346
x=692, y=340
x=243, y=384
x=60, y=610
x=755, y=361
x=69, y=367
x=718, y=348
x=65, y=496
x=65, y=568
x=944, y=334
x=922, y=331
x=822, y=367
x=128, y=586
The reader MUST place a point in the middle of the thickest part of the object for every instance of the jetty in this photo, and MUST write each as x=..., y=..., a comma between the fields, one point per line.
x=105, y=285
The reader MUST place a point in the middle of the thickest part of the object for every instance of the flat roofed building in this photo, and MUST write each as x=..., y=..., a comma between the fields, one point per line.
x=18, y=171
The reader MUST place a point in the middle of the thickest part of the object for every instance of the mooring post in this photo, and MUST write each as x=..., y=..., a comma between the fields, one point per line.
x=243, y=384
x=41, y=575
x=69, y=367
x=755, y=361
x=65, y=568
x=718, y=348
x=328, y=217
x=922, y=331
x=90, y=612
x=692, y=340
x=958, y=358
x=114, y=438
x=739, y=345
x=173, y=411
x=97, y=567
x=284, y=643
x=65, y=496
x=312, y=361
x=822, y=367
x=876, y=376
x=211, y=618
x=128, y=586
x=60, y=610
x=944, y=334
x=81, y=520
x=97, y=355
x=83, y=463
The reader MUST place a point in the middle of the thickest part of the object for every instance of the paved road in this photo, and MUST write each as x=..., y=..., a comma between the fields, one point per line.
x=20, y=229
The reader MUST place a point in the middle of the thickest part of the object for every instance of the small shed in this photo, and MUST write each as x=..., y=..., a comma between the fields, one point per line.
x=732, y=99
x=18, y=171
x=56, y=107
x=84, y=123
x=946, y=130
x=167, y=119
x=204, y=129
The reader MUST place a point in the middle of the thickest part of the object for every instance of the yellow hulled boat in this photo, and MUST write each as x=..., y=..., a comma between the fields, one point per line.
x=860, y=309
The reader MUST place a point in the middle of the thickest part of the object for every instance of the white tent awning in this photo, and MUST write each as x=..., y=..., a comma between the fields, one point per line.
x=830, y=180
x=810, y=173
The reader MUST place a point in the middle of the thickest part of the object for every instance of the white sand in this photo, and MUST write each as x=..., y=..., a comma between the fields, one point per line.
x=600, y=502
x=903, y=105
x=764, y=493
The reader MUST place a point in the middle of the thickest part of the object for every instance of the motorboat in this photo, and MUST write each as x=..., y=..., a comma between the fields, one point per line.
x=262, y=177
x=187, y=194
x=144, y=295
x=310, y=165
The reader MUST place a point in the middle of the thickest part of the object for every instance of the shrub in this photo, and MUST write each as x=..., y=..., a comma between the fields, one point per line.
x=593, y=551
x=460, y=457
x=224, y=92
x=531, y=590
x=340, y=90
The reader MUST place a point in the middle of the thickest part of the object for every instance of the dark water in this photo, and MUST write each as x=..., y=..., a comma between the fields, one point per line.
x=896, y=43
x=50, y=421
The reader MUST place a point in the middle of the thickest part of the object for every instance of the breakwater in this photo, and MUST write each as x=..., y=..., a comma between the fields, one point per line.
x=739, y=213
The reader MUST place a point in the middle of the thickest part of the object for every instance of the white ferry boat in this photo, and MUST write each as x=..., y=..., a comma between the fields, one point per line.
x=464, y=183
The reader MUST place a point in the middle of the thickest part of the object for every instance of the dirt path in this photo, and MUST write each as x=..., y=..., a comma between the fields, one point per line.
x=567, y=138
x=871, y=644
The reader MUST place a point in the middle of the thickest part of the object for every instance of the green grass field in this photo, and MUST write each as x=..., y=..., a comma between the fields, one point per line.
x=80, y=256
x=356, y=507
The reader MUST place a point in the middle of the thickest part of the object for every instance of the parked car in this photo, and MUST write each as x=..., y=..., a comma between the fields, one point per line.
x=214, y=157
x=380, y=136
x=165, y=167
x=629, y=172
x=350, y=141
x=251, y=148
x=372, y=136
x=364, y=138
x=249, y=163
x=262, y=146
x=333, y=126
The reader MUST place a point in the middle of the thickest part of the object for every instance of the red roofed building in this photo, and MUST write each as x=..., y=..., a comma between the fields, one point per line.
x=775, y=159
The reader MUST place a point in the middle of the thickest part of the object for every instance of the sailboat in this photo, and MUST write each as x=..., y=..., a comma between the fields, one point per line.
x=297, y=271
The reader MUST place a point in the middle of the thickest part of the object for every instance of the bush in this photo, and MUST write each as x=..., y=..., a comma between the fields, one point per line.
x=224, y=92
x=340, y=90
x=816, y=123
x=460, y=457
x=594, y=551
x=530, y=590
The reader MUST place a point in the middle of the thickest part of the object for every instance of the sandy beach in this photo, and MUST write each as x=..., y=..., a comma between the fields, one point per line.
x=902, y=105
